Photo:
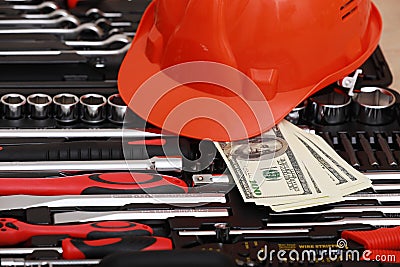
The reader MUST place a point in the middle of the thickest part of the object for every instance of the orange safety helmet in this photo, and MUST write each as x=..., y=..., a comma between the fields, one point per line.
x=289, y=50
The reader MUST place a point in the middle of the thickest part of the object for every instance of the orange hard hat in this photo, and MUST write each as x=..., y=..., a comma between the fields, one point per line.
x=232, y=69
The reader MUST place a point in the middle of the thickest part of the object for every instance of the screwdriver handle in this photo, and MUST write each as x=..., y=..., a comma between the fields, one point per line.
x=382, y=238
x=94, y=249
x=97, y=150
x=13, y=231
x=98, y=183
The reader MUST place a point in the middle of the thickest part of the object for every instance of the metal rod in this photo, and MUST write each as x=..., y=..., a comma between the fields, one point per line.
x=369, y=221
x=75, y=133
x=155, y=163
x=115, y=200
x=24, y=262
x=83, y=216
x=350, y=209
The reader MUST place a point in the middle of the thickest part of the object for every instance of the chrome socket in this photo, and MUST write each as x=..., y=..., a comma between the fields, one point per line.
x=93, y=108
x=66, y=109
x=297, y=114
x=374, y=106
x=39, y=106
x=116, y=109
x=13, y=106
x=331, y=108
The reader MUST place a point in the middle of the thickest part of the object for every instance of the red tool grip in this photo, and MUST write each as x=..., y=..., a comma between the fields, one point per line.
x=106, y=183
x=13, y=232
x=72, y=3
x=94, y=249
x=384, y=238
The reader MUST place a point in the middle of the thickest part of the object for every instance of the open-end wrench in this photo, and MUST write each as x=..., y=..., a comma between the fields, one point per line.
x=53, y=14
x=119, y=51
x=47, y=4
x=66, y=33
x=113, y=39
x=40, y=22
x=173, y=164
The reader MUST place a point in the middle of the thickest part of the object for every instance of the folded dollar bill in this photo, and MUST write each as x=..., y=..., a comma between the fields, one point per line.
x=287, y=168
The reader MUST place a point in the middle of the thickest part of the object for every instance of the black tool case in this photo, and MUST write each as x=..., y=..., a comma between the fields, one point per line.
x=79, y=74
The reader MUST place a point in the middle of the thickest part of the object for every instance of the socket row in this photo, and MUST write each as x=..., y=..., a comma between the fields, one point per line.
x=65, y=107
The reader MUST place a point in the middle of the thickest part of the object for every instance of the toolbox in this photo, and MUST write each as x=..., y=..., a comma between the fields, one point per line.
x=60, y=129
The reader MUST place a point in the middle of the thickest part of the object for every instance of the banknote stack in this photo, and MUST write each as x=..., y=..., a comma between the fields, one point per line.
x=287, y=168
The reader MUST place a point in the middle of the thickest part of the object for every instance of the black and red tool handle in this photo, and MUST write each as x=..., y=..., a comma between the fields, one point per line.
x=94, y=249
x=97, y=150
x=99, y=183
x=13, y=231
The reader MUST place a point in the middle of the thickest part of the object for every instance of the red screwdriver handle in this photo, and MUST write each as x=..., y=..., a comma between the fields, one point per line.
x=95, y=249
x=99, y=183
x=383, y=238
x=13, y=232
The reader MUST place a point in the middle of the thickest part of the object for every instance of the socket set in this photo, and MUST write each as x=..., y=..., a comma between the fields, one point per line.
x=64, y=108
x=63, y=163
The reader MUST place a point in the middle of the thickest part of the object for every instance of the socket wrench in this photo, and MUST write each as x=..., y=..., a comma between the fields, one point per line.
x=39, y=106
x=374, y=106
x=93, y=108
x=66, y=109
x=13, y=106
x=116, y=109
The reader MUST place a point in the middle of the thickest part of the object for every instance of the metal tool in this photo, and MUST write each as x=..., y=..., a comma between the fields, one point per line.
x=383, y=197
x=14, y=231
x=368, y=150
x=93, y=108
x=244, y=232
x=39, y=106
x=13, y=106
x=91, y=53
x=374, y=106
x=39, y=263
x=145, y=214
x=173, y=164
x=89, y=184
x=395, y=209
x=297, y=114
x=349, y=150
x=66, y=108
x=357, y=220
x=71, y=33
x=117, y=109
x=136, y=149
x=42, y=22
x=75, y=133
x=53, y=14
x=331, y=108
x=113, y=200
x=89, y=249
x=386, y=150
x=47, y=5
x=98, y=12
x=116, y=38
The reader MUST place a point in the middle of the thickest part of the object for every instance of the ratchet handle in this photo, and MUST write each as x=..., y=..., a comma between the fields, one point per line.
x=95, y=150
x=98, y=183
x=93, y=249
x=13, y=232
